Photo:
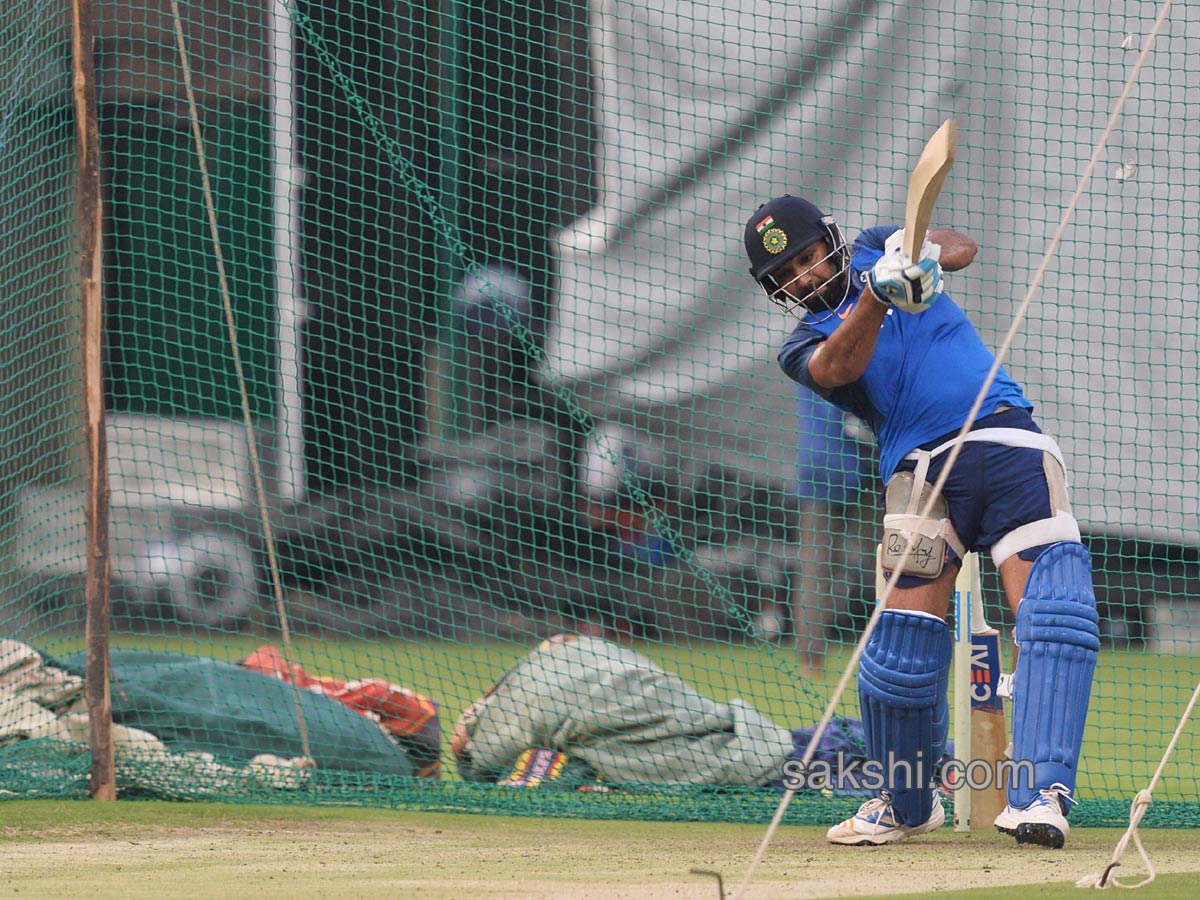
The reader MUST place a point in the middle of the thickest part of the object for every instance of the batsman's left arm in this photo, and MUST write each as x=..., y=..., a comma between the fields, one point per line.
x=958, y=250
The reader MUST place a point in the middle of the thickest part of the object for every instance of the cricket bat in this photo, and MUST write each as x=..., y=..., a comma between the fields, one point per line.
x=980, y=727
x=925, y=184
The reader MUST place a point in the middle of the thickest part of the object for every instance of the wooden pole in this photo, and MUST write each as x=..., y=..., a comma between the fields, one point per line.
x=89, y=218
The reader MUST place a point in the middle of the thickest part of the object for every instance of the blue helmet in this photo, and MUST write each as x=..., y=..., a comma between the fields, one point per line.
x=777, y=232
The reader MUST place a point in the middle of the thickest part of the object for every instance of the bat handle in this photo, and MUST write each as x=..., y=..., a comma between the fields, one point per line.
x=977, y=617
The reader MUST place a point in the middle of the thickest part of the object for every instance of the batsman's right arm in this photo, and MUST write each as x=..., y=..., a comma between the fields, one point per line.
x=845, y=354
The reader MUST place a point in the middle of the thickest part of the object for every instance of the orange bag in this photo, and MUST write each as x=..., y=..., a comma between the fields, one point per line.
x=409, y=717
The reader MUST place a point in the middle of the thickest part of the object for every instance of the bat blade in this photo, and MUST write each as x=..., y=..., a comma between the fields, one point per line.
x=926, y=183
x=989, y=726
x=962, y=693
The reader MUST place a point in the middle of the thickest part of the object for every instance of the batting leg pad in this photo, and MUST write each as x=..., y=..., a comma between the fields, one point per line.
x=902, y=680
x=1059, y=639
x=941, y=711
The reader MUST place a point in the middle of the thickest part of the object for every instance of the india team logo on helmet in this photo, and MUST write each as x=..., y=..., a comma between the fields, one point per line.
x=774, y=239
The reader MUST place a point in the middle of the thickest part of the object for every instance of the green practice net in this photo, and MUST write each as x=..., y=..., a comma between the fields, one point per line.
x=497, y=374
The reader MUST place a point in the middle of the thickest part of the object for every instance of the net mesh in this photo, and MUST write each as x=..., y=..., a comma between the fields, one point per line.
x=508, y=379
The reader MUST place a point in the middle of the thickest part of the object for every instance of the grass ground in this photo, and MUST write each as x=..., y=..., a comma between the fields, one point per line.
x=1136, y=701
x=129, y=850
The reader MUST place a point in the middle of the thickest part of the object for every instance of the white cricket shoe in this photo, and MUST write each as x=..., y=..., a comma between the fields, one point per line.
x=1042, y=822
x=876, y=823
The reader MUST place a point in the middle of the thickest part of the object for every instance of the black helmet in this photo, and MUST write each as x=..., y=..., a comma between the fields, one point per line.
x=778, y=231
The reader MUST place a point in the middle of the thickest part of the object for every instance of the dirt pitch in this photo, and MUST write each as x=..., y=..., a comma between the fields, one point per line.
x=134, y=850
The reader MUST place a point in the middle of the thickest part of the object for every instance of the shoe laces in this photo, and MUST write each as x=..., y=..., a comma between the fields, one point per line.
x=877, y=807
x=1060, y=794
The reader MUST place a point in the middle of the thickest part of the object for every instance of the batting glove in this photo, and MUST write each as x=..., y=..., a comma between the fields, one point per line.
x=929, y=250
x=898, y=281
x=911, y=287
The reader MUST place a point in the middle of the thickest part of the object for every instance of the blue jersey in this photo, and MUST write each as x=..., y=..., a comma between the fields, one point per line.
x=924, y=375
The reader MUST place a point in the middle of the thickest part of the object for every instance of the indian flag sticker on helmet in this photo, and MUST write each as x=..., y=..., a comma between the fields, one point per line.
x=774, y=241
x=764, y=224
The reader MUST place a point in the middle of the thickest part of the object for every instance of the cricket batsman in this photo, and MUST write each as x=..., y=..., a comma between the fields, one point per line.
x=879, y=338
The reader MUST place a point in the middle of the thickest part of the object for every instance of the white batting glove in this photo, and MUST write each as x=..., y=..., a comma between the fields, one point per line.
x=929, y=250
x=911, y=287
